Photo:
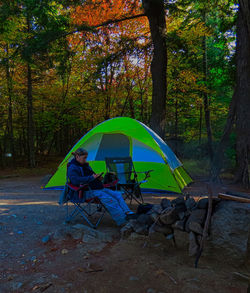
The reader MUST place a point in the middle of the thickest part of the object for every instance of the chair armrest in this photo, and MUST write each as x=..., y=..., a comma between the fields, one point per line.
x=133, y=172
x=145, y=171
x=111, y=184
x=84, y=187
x=78, y=188
x=147, y=174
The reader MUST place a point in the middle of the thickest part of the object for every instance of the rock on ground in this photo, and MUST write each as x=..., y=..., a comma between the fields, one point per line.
x=98, y=239
x=230, y=230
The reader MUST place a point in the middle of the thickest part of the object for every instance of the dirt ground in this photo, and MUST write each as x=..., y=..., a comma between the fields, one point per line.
x=28, y=213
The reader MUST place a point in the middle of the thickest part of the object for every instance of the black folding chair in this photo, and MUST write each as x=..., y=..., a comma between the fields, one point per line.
x=123, y=168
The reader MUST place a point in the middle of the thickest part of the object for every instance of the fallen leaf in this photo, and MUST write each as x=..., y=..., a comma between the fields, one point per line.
x=80, y=269
x=10, y=278
x=53, y=249
x=160, y=272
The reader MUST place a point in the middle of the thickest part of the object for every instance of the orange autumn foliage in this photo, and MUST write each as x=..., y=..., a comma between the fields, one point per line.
x=96, y=12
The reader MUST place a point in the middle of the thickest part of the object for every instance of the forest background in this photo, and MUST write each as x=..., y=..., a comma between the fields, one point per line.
x=66, y=66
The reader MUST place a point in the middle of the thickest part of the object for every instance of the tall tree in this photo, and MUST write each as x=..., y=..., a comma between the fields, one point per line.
x=205, y=95
x=155, y=12
x=243, y=95
x=39, y=24
x=9, y=80
x=30, y=126
x=239, y=111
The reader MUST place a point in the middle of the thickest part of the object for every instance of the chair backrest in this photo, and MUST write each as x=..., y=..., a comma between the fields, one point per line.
x=122, y=167
x=75, y=192
x=67, y=178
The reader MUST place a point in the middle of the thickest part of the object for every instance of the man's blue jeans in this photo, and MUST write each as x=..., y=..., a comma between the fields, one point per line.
x=113, y=202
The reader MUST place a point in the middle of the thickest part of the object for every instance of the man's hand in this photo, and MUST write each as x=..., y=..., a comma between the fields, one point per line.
x=99, y=176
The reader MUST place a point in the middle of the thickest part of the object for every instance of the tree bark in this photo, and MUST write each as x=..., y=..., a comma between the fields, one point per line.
x=107, y=94
x=206, y=101
x=30, y=128
x=155, y=12
x=243, y=94
x=200, y=125
x=10, y=115
x=30, y=132
x=176, y=124
x=218, y=157
x=1, y=155
x=239, y=111
x=245, y=6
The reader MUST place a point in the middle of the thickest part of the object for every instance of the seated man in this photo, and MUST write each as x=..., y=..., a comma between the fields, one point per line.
x=79, y=172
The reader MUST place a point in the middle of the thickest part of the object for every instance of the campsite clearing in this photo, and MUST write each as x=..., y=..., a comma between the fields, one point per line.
x=28, y=214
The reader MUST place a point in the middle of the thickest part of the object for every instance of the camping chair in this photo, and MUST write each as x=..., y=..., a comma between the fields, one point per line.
x=123, y=168
x=87, y=208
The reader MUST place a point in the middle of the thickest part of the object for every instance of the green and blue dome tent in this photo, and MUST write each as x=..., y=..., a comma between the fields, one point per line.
x=123, y=137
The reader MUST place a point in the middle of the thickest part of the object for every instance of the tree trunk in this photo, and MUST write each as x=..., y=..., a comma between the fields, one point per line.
x=155, y=12
x=107, y=94
x=1, y=155
x=245, y=6
x=142, y=106
x=30, y=132
x=30, y=128
x=131, y=106
x=10, y=115
x=243, y=96
x=200, y=125
x=218, y=157
x=24, y=142
x=205, y=98
x=239, y=110
x=176, y=127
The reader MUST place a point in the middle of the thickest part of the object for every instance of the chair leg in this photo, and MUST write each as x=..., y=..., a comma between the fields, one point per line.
x=137, y=191
x=131, y=197
x=69, y=216
x=128, y=195
x=67, y=213
x=96, y=224
x=138, y=199
x=99, y=220
x=140, y=196
x=73, y=214
x=86, y=213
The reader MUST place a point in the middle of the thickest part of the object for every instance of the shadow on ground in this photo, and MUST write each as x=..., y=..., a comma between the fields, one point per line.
x=28, y=214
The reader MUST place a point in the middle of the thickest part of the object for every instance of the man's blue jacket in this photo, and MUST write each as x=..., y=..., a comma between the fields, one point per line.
x=78, y=174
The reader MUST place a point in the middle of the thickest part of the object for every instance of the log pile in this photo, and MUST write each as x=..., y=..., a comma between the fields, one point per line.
x=182, y=213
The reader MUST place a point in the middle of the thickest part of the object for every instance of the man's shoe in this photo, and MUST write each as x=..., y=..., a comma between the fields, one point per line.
x=131, y=216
